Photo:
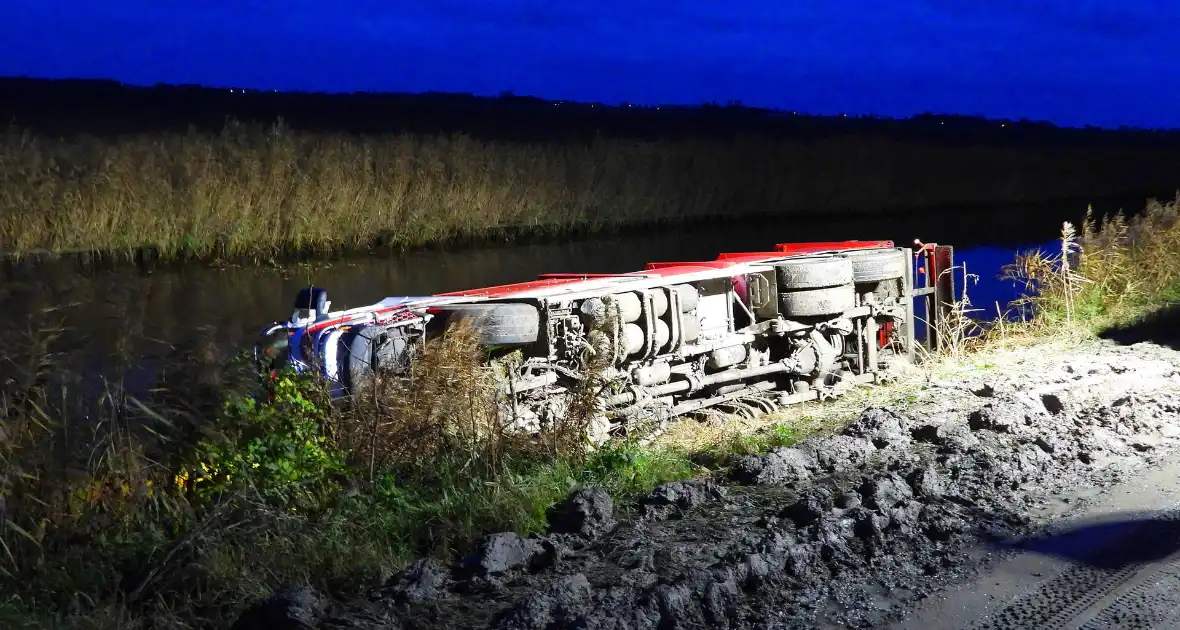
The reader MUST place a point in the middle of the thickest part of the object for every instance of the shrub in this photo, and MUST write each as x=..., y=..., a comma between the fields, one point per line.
x=279, y=448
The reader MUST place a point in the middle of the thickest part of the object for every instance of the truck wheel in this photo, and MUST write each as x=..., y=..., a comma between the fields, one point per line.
x=875, y=265
x=505, y=324
x=813, y=273
x=817, y=302
x=371, y=349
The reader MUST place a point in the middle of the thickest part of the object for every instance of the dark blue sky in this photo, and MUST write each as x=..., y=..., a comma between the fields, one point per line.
x=1070, y=61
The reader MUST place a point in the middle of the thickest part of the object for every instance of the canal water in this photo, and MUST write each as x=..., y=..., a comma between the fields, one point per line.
x=142, y=327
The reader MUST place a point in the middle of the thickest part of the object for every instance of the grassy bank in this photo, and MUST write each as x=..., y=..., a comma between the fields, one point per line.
x=256, y=191
x=117, y=513
x=145, y=516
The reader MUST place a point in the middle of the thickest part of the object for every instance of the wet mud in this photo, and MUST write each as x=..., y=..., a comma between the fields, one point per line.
x=851, y=529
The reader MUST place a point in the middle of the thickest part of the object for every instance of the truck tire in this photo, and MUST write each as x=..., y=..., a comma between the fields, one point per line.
x=817, y=302
x=503, y=324
x=875, y=265
x=813, y=273
x=372, y=349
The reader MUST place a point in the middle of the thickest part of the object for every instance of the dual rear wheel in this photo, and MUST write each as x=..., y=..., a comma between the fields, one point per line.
x=819, y=286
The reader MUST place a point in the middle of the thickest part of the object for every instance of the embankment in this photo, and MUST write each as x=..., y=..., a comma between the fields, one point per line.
x=852, y=528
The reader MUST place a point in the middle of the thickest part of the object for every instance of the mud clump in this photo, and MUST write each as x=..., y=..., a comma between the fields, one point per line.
x=678, y=497
x=811, y=506
x=560, y=606
x=588, y=512
x=293, y=609
x=948, y=435
x=839, y=452
x=885, y=491
x=1001, y=419
x=926, y=483
x=426, y=579
x=783, y=465
x=1053, y=403
x=885, y=427
x=505, y=552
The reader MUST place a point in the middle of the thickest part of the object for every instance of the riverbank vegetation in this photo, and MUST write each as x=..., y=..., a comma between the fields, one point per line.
x=1109, y=273
x=143, y=516
x=122, y=513
x=256, y=191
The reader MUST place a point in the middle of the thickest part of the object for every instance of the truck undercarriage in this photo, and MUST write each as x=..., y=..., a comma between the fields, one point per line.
x=744, y=333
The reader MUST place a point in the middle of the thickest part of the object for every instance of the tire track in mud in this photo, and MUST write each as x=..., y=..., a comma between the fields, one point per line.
x=1117, y=566
x=1153, y=603
x=1089, y=598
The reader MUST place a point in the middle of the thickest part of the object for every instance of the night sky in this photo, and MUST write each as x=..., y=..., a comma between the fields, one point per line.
x=1072, y=62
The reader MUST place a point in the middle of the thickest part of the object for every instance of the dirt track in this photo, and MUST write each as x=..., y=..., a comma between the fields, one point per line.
x=955, y=511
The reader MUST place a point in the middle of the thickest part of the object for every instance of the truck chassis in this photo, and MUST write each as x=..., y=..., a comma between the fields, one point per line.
x=746, y=332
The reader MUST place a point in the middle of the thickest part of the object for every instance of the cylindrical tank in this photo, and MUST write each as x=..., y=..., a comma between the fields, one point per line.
x=655, y=374
x=663, y=334
x=659, y=302
x=722, y=358
x=630, y=307
x=689, y=297
x=632, y=338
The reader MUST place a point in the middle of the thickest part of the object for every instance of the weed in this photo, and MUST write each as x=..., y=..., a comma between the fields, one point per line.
x=628, y=469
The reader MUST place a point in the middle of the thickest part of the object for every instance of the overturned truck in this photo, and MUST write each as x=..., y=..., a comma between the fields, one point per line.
x=747, y=331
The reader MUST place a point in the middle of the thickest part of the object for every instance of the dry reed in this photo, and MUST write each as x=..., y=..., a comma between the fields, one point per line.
x=257, y=191
x=1109, y=273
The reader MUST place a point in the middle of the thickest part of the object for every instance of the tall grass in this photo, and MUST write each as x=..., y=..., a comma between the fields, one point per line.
x=254, y=191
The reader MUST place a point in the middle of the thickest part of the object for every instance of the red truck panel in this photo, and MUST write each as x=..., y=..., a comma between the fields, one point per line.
x=814, y=248
x=510, y=289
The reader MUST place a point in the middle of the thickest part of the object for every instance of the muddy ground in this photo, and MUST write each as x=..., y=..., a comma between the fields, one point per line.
x=857, y=529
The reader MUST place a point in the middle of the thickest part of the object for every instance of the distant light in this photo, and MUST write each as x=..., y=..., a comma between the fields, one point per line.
x=1003, y=125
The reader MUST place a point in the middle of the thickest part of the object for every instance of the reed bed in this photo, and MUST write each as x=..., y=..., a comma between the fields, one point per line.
x=1109, y=274
x=256, y=191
